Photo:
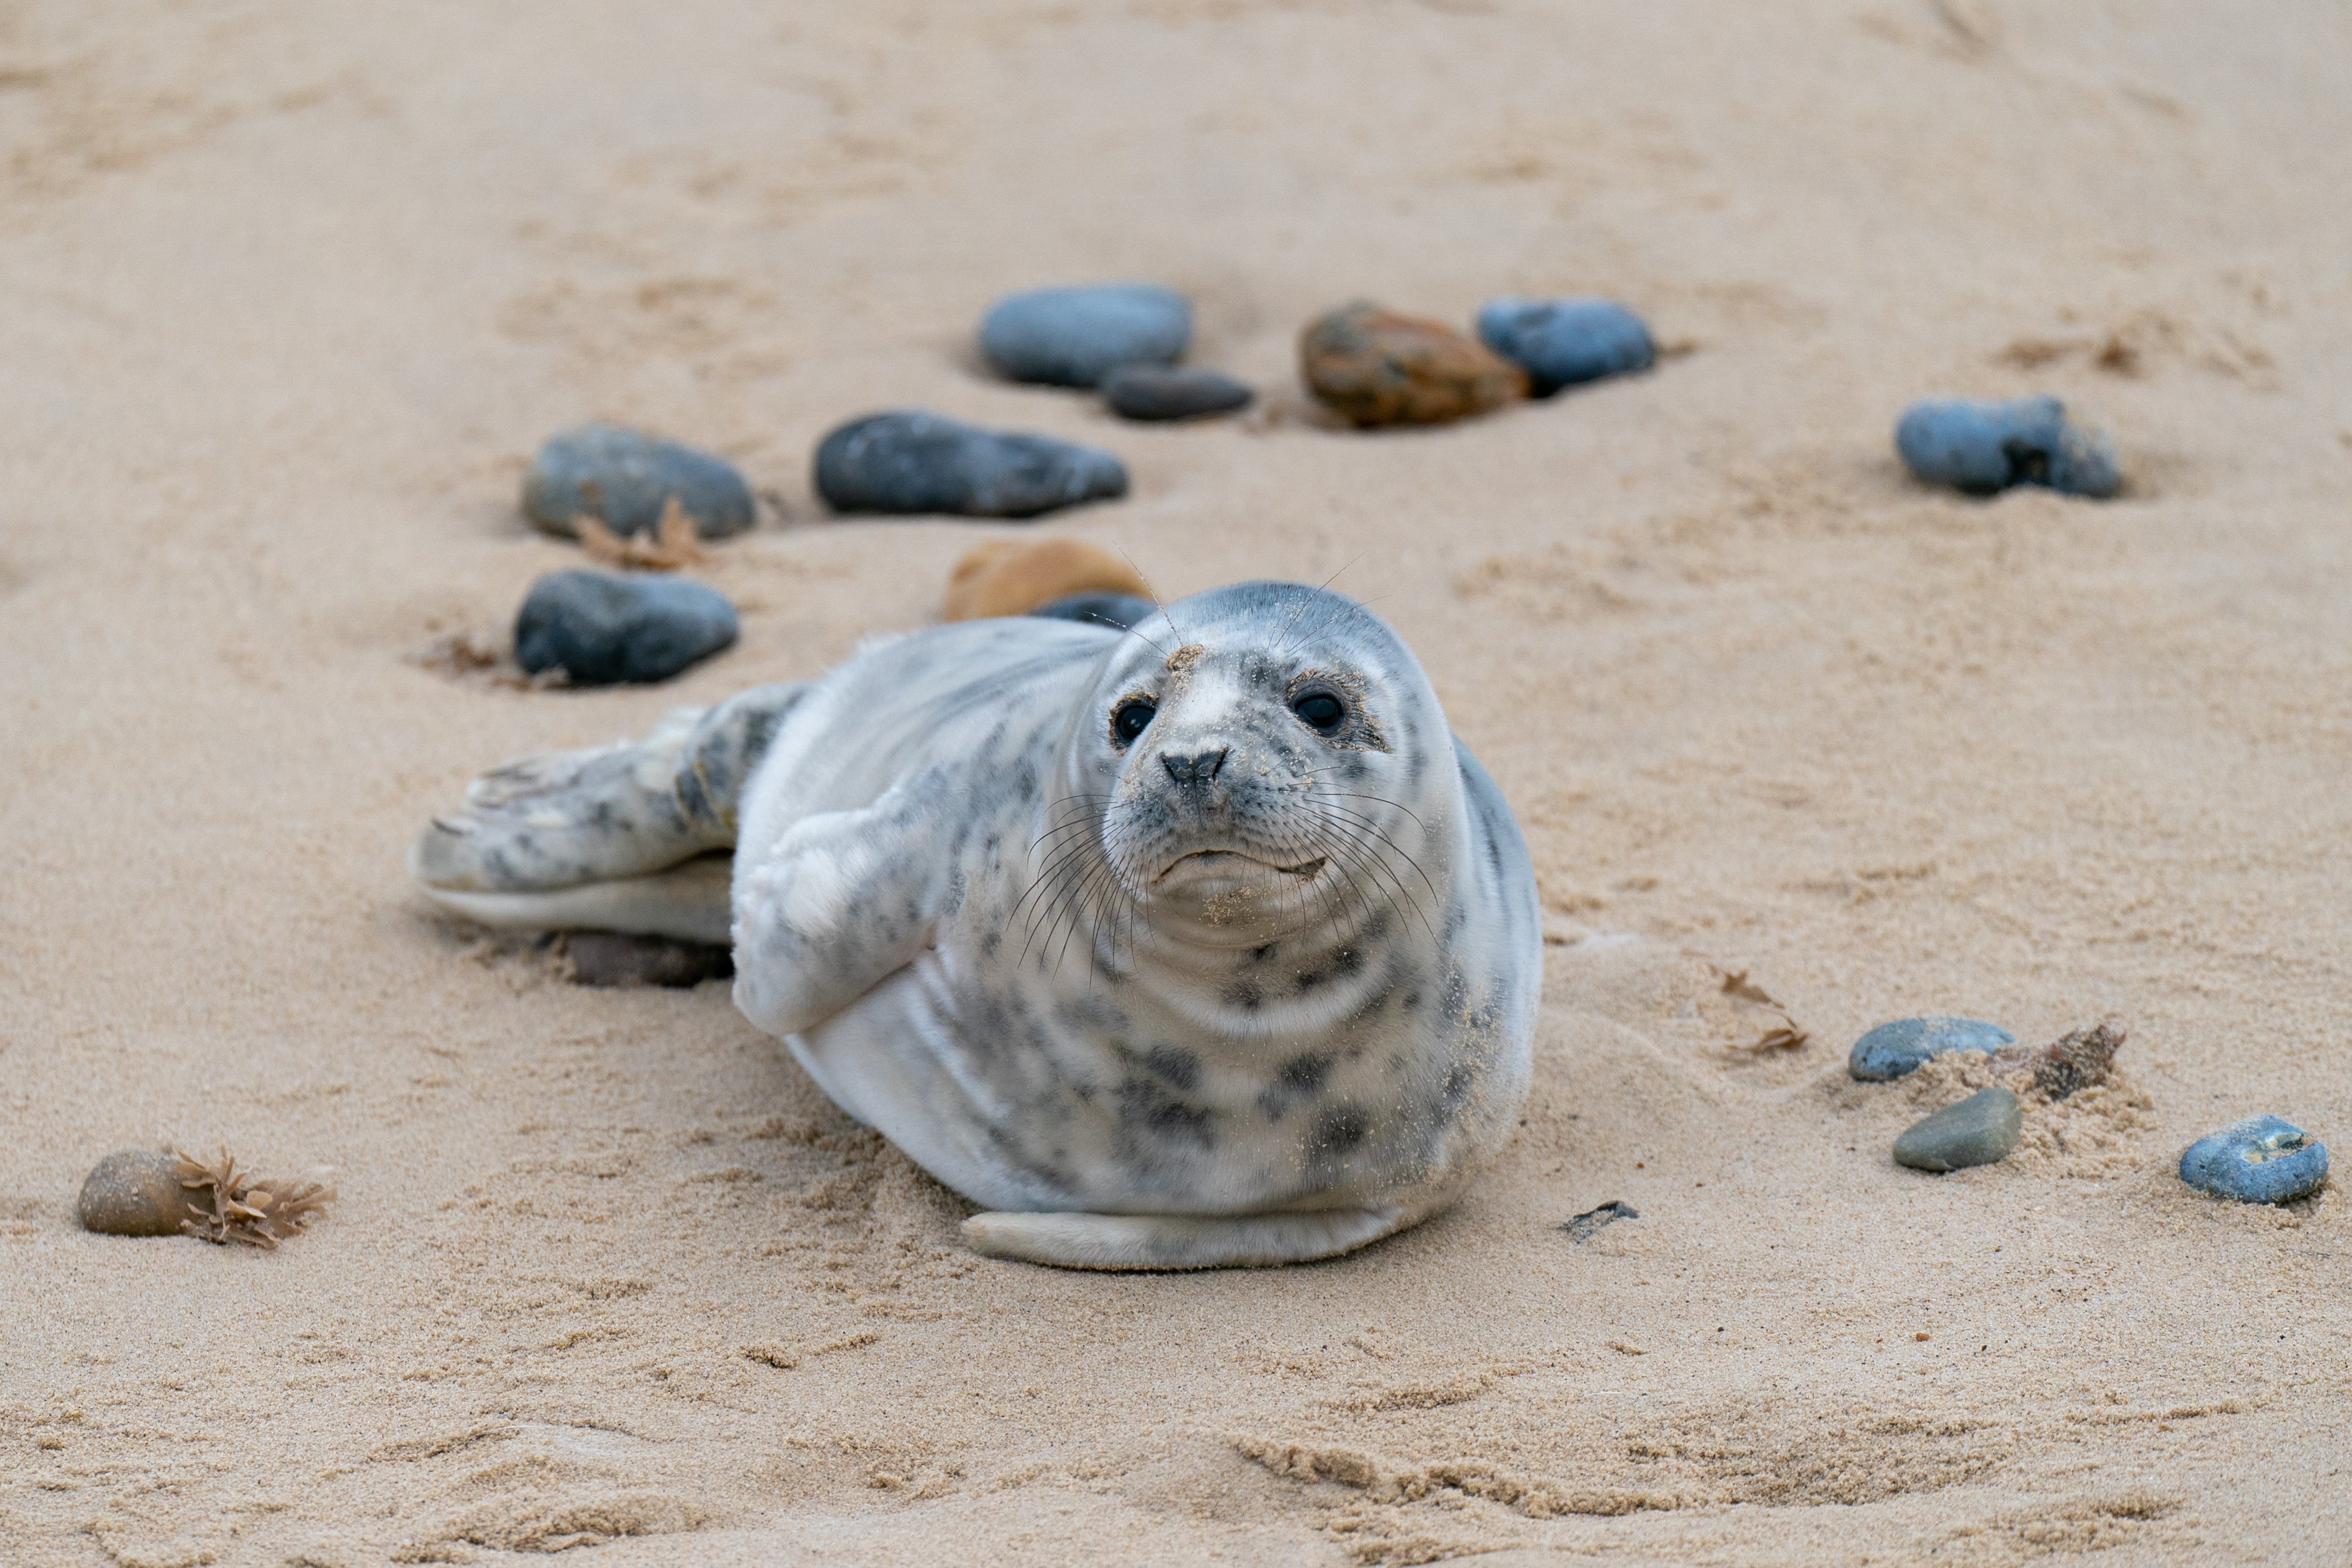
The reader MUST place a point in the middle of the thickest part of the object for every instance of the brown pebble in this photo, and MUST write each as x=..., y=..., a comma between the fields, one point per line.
x=1013, y=576
x=617, y=958
x=133, y=1191
x=1375, y=367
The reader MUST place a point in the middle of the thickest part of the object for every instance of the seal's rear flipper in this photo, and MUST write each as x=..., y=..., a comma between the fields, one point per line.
x=1180, y=1241
x=688, y=901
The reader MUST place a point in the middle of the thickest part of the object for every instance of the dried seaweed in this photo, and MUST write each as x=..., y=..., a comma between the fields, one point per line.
x=225, y=1203
x=676, y=541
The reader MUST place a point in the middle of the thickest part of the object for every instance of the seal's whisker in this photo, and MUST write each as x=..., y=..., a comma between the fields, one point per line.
x=1359, y=859
x=1366, y=858
x=1359, y=794
x=1369, y=826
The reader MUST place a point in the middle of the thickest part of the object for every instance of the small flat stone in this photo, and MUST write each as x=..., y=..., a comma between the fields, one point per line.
x=133, y=1191
x=623, y=477
x=1891, y=1050
x=1120, y=611
x=610, y=958
x=1560, y=342
x=2262, y=1160
x=604, y=628
x=1978, y=1131
x=1981, y=446
x=1586, y=1226
x=1013, y=576
x=909, y=461
x=1076, y=336
x=1375, y=367
x=1162, y=392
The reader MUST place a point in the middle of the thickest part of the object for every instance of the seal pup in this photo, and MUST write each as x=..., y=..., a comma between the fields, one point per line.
x=1201, y=943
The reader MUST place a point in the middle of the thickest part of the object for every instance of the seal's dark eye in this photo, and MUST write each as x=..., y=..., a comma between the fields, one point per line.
x=1320, y=712
x=1131, y=719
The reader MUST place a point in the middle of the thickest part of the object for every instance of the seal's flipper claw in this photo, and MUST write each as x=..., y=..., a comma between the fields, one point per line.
x=1125, y=1241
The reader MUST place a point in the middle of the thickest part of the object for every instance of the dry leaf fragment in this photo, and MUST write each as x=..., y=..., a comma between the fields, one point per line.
x=1786, y=1036
x=676, y=541
x=1736, y=983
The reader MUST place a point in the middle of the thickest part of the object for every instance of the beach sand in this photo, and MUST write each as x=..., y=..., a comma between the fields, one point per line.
x=293, y=292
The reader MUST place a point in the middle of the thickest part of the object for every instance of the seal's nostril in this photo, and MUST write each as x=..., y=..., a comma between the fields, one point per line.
x=1198, y=768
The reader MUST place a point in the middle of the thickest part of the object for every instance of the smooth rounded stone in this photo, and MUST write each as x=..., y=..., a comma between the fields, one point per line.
x=602, y=628
x=2262, y=1160
x=1978, y=1131
x=1560, y=342
x=611, y=958
x=1119, y=610
x=1013, y=576
x=1375, y=367
x=623, y=478
x=909, y=461
x=1076, y=336
x=1891, y=1050
x=1982, y=447
x=1161, y=392
x=133, y=1191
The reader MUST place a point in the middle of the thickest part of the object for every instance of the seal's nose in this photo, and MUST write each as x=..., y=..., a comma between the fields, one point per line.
x=1197, y=769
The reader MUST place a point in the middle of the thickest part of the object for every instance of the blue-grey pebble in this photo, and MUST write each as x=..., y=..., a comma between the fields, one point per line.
x=1978, y=1130
x=1074, y=336
x=1097, y=607
x=623, y=477
x=1560, y=342
x=1986, y=446
x=2262, y=1160
x=911, y=461
x=1891, y=1050
x=1169, y=392
x=602, y=628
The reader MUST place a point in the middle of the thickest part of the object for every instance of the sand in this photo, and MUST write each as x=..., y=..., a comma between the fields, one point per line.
x=294, y=289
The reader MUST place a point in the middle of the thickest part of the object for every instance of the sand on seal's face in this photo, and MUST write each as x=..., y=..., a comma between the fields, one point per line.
x=294, y=291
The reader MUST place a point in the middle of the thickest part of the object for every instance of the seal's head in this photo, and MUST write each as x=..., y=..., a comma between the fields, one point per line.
x=1262, y=761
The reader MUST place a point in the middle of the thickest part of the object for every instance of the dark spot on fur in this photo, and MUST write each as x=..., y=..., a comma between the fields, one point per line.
x=1339, y=1130
x=1144, y=1105
x=1246, y=995
x=1305, y=1074
x=1180, y=1068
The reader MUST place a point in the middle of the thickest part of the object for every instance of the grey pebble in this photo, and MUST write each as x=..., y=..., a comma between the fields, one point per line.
x=1560, y=342
x=1097, y=607
x=133, y=1191
x=1584, y=1227
x=2262, y=1160
x=623, y=477
x=1153, y=392
x=1978, y=1131
x=611, y=958
x=603, y=628
x=909, y=462
x=1892, y=1050
x=1988, y=446
x=1074, y=336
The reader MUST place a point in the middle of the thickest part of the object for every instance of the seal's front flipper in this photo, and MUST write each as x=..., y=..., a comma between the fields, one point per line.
x=571, y=819
x=1132, y=1241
